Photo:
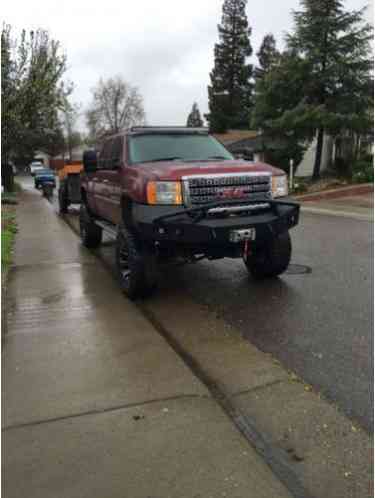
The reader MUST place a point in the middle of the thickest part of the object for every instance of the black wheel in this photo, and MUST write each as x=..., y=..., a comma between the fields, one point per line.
x=271, y=260
x=136, y=265
x=91, y=234
x=63, y=201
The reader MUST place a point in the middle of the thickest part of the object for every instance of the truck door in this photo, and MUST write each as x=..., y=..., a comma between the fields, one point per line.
x=101, y=181
x=113, y=204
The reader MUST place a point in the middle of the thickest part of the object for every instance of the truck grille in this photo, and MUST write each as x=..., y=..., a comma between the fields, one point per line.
x=205, y=189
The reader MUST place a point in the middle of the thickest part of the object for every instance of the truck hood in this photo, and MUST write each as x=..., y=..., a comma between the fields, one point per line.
x=175, y=170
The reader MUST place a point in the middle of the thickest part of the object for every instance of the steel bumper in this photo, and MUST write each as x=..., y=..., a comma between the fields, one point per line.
x=171, y=224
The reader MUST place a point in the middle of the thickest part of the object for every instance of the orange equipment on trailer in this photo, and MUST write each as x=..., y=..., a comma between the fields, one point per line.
x=69, y=185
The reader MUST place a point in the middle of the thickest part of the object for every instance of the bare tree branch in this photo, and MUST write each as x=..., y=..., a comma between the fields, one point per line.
x=116, y=105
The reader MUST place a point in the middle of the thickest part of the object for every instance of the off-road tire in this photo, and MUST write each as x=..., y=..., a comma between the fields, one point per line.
x=135, y=264
x=91, y=234
x=271, y=260
x=63, y=201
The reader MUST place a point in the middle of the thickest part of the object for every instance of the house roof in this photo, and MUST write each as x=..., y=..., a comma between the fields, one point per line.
x=232, y=136
x=257, y=144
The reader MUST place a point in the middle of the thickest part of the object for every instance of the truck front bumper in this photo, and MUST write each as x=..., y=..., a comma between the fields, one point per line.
x=195, y=227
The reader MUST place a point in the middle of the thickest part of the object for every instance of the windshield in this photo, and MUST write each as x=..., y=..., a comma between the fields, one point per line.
x=174, y=147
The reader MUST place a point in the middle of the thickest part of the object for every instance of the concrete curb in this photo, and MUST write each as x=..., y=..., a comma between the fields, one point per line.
x=366, y=188
x=343, y=214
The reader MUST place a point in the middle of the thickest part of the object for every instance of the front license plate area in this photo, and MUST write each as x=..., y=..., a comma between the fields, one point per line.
x=242, y=235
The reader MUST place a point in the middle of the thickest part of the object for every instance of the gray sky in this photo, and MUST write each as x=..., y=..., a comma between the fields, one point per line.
x=164, y=47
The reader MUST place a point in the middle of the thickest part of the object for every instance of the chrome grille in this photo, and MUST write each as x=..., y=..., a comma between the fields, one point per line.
x=242, y=187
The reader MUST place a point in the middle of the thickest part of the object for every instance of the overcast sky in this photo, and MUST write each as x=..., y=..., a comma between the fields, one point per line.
x=165, y=47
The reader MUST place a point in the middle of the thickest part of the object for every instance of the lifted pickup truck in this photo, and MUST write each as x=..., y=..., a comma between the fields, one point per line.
x=173, y=194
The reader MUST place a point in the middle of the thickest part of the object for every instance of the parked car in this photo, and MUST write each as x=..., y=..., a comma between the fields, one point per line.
x=35, y=166
x=177, y=194
x=43, y=176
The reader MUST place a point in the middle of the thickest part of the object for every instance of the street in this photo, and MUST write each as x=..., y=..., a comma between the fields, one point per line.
x=317, y=324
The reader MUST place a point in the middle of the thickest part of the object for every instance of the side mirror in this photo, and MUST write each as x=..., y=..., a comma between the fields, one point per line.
x=90, y=161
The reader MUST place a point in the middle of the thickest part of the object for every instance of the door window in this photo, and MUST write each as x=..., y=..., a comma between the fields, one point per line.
x=116, y=152
x=105, y=155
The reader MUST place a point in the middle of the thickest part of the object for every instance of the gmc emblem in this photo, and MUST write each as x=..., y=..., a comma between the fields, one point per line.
x=232, y=193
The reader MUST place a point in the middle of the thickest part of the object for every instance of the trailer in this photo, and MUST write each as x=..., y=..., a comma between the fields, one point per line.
x=69, y=186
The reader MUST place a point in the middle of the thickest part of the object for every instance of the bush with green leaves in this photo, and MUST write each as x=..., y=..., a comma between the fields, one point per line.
x=363, y=171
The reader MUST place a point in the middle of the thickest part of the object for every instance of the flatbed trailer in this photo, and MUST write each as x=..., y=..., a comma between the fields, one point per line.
x=69, y=186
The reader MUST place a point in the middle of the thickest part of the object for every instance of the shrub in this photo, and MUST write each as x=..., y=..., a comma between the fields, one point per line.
x=299, y=187
x=363, y=171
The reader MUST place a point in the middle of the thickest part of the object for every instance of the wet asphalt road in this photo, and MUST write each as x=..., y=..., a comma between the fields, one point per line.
x=318, y=324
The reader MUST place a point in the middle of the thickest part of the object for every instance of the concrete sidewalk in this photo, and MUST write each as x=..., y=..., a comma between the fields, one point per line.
x=95, y=402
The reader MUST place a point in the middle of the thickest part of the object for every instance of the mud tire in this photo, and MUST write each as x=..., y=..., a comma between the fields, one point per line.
x=271, y=260
x=135, y=265
x=91, y=234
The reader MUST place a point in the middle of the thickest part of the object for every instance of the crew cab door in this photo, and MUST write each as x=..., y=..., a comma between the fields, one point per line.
x=107, y=187
x=100, y=181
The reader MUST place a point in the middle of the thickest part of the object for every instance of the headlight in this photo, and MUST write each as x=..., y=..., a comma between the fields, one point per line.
x=164, y=193
x=279, y=186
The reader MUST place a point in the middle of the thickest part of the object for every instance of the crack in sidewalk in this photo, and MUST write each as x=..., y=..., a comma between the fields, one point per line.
x=103, y=410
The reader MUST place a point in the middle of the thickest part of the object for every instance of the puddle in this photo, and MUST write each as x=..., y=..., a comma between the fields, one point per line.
x=298, y=269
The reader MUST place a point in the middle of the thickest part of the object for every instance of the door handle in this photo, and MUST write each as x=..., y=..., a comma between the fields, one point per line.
x=95, y=179
x=105, y=181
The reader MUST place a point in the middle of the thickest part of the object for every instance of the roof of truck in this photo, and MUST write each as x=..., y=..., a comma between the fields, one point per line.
x=183, y=130
x=157, y=130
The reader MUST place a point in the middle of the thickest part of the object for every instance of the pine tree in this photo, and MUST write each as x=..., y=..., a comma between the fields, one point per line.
x=230, y=91
x=279, y=96
x=336, y=45
x=194, y=119
x=267, y=55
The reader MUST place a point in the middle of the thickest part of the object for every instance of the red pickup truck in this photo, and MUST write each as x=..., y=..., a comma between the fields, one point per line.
x=172, y=194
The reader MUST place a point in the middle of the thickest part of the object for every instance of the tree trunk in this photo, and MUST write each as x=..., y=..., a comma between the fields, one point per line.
x=318, y=154
x=357, y=146
x=7, y=177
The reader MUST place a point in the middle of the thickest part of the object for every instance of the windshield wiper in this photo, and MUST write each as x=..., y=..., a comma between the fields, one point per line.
x=210, y=158
x=174, y=158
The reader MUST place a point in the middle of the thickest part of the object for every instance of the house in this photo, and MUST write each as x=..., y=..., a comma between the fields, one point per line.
x=252, y=145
